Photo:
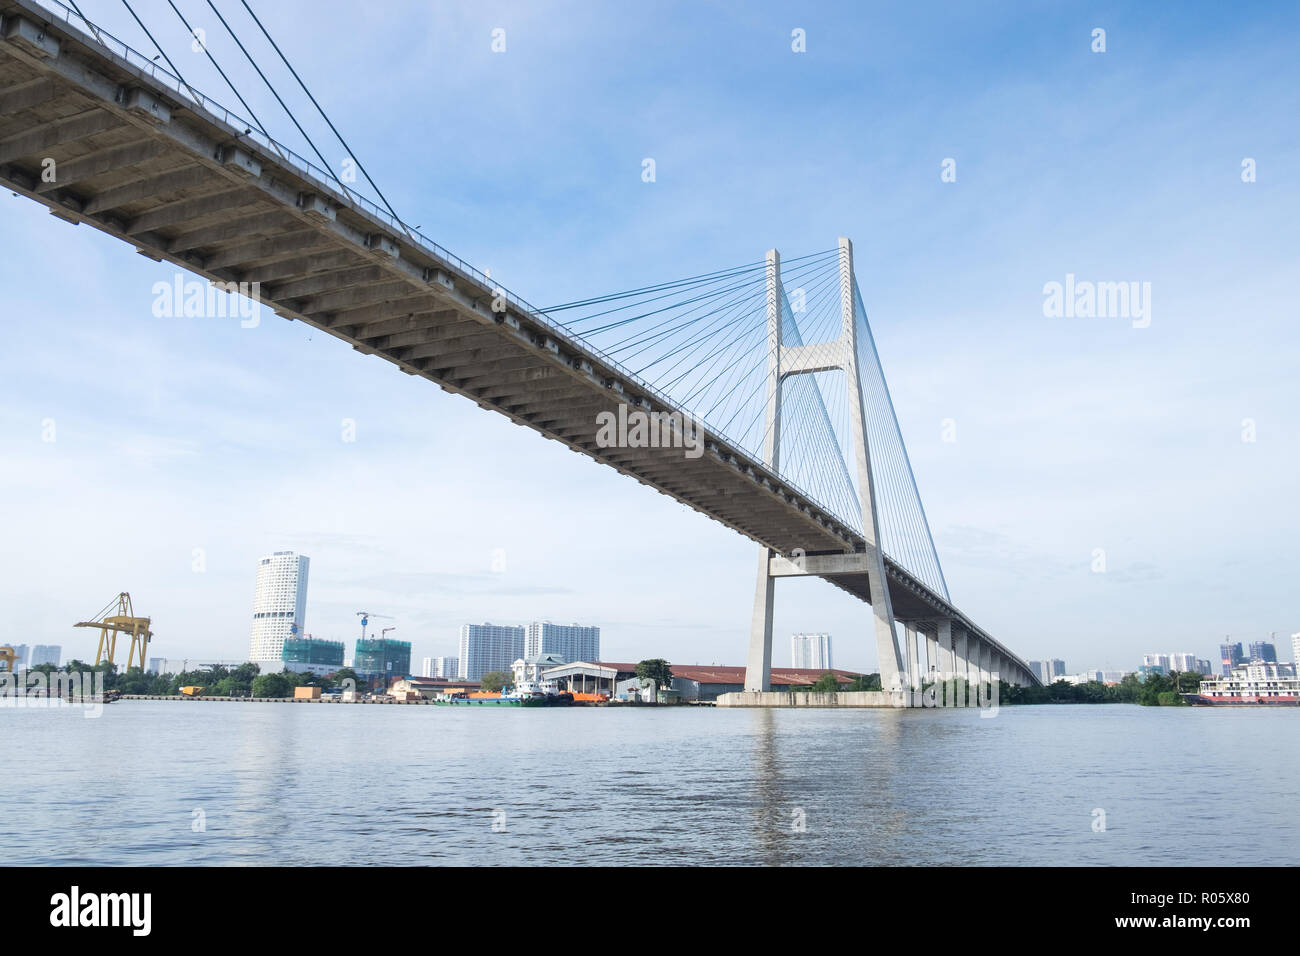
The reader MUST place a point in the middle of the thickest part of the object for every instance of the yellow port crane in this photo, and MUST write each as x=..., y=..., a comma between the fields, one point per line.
x=7, y=658
x=124, y=621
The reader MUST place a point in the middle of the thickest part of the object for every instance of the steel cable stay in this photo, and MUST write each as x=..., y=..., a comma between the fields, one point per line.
x=925, y=544
x=700, y=280
x=761, y=385
x=257, y=122
x=353, y=156
x=762, y=293
x=630, y=319
x=748, y=267
x=325, y=164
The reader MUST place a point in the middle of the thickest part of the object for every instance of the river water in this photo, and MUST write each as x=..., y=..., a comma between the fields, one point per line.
x=159, y=782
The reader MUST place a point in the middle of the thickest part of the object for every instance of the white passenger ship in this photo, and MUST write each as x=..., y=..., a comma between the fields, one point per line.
x=1259, y=682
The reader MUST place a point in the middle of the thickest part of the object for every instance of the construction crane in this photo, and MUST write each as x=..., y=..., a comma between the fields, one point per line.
x=117, y=617
x=7, y=658
x=365, y=619
x=384, y=633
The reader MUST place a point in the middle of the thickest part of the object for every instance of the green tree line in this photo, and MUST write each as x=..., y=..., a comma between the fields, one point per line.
x=218, y=680
x=1157, y=690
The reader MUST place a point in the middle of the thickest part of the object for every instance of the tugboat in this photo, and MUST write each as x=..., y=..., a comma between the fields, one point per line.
x=522, y=694
x=532, y=693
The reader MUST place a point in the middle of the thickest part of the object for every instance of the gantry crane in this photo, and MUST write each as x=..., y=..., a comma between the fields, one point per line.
x=7, y=658
x=124, y=621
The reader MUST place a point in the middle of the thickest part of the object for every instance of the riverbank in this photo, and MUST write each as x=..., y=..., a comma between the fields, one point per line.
x=384, y=701
x=847, y=698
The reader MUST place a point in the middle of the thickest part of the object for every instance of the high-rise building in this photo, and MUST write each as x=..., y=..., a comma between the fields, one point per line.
x=811, y=651
x=45, y=654
x=1048, y=671
x=444, y=667
x=382, y=657
x=279, y=606
x=1155, y=664
x=1263, y=651
x=1230, y=655
x=20, y=657
x=573, y=642
x=1186, y=662
x=312, y=655
x=488, y=647
x=1295, y=648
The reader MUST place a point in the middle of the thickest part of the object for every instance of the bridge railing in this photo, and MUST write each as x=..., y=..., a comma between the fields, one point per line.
x=93, y=33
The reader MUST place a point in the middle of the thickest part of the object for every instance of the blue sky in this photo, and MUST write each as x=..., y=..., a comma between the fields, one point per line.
x=1072, y=434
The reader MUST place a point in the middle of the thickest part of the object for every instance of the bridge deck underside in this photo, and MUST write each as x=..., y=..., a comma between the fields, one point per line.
x=168, y=188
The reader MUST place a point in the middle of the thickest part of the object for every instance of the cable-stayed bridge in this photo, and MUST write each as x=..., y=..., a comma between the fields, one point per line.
x=753, y=394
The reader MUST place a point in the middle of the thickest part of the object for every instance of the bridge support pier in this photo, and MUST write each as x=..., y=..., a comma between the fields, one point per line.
x=758, y=668
x=946, y=663
x=783, y=362
x=911, y=669
x=959, y=664
x=986, y=668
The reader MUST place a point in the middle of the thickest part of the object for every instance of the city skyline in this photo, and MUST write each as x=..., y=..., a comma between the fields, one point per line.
x=1072, y=436
x=426, y=647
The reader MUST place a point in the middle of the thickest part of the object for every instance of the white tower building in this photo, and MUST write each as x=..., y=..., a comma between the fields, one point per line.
x=279, y=603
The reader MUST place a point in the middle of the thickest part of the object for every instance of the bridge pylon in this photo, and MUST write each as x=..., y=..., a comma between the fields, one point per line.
x=785, y=361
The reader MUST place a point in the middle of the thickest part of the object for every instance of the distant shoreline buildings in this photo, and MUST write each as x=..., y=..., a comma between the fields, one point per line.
x=1233, y=657
x=1182, y=663
x=277, y=642
x=1049, y=670
x=488, y=647
x=810, y=651
x=382, y=657
x=312, y=655
x=446, y=668
x=495, y=647
x=573, y=642
x=30, y=657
